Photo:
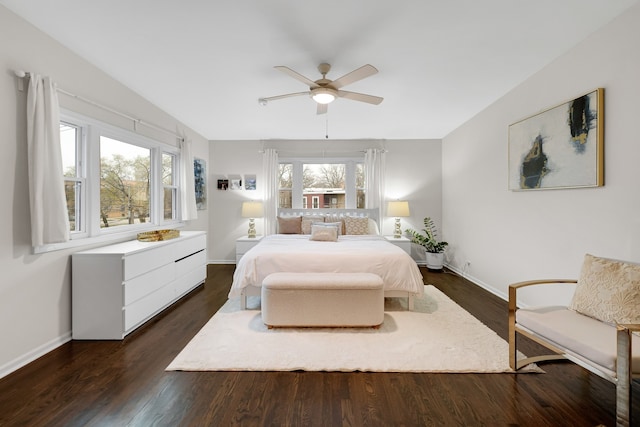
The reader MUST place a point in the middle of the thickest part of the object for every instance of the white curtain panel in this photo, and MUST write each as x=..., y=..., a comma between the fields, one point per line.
x=49, y=215
x=188, y=206
x=271, y=185
x=374, y=166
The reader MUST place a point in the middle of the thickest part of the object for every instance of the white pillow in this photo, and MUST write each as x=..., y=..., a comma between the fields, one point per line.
x=336, y=225
x=324, y=234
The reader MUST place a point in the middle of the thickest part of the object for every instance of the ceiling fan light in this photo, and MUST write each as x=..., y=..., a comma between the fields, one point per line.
x=323, y=95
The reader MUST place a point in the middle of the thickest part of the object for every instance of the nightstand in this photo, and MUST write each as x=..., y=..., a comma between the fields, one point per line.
x=402, y=242
x=243, y=244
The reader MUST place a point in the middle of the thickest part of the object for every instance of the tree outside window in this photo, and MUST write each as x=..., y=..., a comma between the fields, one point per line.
x=125, y=183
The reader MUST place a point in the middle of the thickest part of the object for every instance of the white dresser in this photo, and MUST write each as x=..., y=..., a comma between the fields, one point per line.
x=117, y=288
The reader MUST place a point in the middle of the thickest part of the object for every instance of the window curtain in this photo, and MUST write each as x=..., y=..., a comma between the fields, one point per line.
x=49, y=215
x=374, y=166
x=271, y=186
x=188, y=206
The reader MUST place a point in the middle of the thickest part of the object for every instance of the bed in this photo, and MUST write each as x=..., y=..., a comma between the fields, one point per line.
x=369, y=253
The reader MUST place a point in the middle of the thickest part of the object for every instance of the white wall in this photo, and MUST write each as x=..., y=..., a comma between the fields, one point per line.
x=35, y=290
x=413, y=173
x=512, y=236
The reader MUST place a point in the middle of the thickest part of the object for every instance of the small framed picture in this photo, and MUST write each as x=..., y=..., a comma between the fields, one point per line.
x=249, y=182
x=236, y=184
x=223, y=184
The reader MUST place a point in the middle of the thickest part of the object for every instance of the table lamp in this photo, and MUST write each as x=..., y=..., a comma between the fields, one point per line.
x=398, y=209
x=252, y=210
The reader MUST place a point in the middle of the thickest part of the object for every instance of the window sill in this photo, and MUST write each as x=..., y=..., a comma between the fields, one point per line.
x=99, y=240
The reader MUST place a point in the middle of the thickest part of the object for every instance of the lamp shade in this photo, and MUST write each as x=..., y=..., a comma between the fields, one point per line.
x=398, y=208
x=252, y=209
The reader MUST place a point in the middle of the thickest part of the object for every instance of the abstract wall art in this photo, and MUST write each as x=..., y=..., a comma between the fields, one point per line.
x=561, y=147
x=200, y=177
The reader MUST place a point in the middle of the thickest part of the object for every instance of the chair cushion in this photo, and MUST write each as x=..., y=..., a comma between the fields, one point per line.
x=608, y=290
x=590, y=338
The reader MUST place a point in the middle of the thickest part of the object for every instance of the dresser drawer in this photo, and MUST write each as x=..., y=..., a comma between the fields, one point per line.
x=147, y=283
x=190, y=280
x=138, y=312
x=141, y=262
x=192, y=261
x=190, y=246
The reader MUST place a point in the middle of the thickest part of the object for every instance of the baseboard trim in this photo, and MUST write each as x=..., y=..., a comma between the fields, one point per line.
x=221, y=261
x=34, y=354
x=477, y=282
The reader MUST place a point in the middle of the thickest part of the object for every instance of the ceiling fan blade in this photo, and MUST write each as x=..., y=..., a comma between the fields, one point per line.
x=297, y=76
x=354, y=76
x=288, y=95
x=369, y=99
x=322, y=108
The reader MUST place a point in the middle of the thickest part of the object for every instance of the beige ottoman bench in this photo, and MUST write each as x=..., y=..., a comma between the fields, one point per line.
x=322, y=299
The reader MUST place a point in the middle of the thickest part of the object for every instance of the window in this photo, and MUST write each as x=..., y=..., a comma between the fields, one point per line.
x=115, y=180
x=125, y=183
x=170, y=186
x=285, y=173
x=336, y=184
x=70, y=145
x=360, y=191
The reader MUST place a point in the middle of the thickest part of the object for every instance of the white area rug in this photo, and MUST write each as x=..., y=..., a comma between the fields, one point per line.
x=438, y=336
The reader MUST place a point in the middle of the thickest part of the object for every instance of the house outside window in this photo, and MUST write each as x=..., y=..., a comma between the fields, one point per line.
x=330, y=183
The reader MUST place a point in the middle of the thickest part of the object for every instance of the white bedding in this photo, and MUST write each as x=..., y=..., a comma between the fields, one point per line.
x=350, y=254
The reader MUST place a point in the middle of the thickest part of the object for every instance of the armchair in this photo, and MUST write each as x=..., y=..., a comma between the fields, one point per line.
x=598, y=330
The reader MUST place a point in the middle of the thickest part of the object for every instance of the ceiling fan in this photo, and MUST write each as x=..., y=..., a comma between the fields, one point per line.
x=325, y=91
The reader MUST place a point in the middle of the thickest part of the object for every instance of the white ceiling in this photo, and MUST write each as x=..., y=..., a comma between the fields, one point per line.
x=207, y=62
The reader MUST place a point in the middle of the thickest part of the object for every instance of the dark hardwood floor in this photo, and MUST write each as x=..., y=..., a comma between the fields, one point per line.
x=118, y=383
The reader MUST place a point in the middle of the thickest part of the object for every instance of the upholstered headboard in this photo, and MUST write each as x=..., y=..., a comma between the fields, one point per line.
x=370, y=213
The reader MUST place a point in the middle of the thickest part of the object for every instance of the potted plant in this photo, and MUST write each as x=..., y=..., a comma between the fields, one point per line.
x=434, y=248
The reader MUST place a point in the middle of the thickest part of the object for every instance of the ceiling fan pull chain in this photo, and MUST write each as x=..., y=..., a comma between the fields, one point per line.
x=326, y=133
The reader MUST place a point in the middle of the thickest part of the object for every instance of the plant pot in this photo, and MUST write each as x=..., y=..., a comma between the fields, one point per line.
x=435, y=261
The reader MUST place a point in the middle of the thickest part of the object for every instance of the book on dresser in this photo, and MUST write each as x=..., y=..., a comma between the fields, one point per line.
x=117, y=288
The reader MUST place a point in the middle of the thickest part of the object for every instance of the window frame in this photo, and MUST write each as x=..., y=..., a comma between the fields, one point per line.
x=80, y=181
x=298, y=163
x=174, y=187
x=88, y=174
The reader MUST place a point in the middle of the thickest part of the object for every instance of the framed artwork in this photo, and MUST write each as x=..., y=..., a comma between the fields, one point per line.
x=235, y=182
x=200, y=183
x=561, y=147
x=223, y=184
x=249, y=182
